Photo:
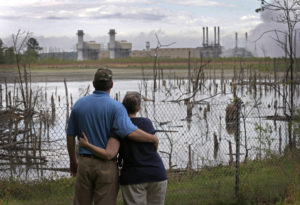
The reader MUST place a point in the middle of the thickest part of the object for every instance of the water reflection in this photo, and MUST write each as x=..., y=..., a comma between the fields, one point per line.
x=195, y=129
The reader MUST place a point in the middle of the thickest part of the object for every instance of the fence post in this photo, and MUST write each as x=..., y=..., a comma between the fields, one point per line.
x=67, y=103
x=1, y=96
x=189, y=72
x=237, y=103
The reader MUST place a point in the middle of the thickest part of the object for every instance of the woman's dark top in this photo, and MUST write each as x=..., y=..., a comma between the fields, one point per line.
x=141, y=162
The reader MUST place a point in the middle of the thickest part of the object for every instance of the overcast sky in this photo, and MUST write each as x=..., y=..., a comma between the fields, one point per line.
x=55, y=22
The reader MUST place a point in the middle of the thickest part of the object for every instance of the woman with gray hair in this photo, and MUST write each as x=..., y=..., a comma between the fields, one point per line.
x=143, y=176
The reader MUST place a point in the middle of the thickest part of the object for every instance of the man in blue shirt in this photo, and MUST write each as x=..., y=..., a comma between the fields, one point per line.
x=98, y=115
x=143, y=176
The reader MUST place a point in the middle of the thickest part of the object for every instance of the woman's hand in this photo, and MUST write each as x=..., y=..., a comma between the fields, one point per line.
x=83, y=141
x=107, y=154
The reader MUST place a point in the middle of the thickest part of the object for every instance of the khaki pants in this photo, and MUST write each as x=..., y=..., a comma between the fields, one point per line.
x=96, y=182
x=152, y=193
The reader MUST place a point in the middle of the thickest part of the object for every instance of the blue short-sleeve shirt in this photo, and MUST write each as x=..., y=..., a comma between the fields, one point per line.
x=97, y=115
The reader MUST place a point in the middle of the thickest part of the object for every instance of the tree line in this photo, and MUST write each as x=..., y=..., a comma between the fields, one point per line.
x=31, y=52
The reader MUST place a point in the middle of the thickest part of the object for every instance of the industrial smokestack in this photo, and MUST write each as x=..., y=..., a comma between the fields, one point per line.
x=112, y=44
x=207, y=36
x=203, y=36
x=218, y=36
x=236, y=40
x=80, y=45
x=147, y=46
x=215, y=39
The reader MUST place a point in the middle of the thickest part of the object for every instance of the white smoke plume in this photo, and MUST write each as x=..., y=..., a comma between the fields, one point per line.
x=267, y=45
x=192, y=38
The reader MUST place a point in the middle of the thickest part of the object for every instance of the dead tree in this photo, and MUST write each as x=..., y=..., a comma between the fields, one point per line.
x=287, y=13
x=19, y=139
x=155, y=64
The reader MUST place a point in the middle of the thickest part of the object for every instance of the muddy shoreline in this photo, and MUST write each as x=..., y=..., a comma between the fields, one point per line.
x=74, y=75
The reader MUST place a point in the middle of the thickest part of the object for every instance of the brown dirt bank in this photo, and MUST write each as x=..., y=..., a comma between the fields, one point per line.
x=88, y=64
x=58, y=75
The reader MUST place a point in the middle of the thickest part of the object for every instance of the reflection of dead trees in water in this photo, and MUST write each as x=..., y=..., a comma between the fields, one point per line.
x=216, y=145
x=170, y=142
x=170, y=152
x=223, y=85
x=189, y=164
x=276, y=108
x=259, y=84
x=23, y=120
x=22, y=134
x=52, y=110
x=143, y=85
x=230, y=154
x=284, y=92
x=21, y=138
x=206, y=122
x=189, y=110
x=146, y=99
x=84, y=91
x=117, y=97
x=45, y=118
x=280, y=140
x=231, y=118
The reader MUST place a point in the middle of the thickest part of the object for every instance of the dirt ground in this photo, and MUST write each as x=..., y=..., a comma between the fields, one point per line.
x=58, y=75
x=84, y=71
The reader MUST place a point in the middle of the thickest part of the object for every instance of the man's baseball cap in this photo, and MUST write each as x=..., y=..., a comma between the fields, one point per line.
x=103, y=74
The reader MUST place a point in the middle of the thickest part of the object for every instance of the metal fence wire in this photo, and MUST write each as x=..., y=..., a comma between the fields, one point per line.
x=195, y=138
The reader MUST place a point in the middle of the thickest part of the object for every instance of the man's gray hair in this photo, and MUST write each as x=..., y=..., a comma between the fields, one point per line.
x=132, y=101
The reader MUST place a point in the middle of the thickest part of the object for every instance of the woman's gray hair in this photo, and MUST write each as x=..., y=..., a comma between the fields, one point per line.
x=132, y=101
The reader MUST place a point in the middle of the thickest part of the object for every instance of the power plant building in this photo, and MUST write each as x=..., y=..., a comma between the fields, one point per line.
x=208, y=50
x=86, y=49
x=211, y=50
x=123, y=48
x=116, y=49
x=238, y=51
x=168, y=53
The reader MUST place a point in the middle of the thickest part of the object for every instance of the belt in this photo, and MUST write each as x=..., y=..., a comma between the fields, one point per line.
x=89, y=156
x=95, y=157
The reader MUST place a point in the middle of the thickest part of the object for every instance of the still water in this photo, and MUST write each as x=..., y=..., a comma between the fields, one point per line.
x=200, y=140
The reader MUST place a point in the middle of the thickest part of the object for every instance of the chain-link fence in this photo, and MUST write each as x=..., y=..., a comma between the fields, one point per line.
x=202, y=145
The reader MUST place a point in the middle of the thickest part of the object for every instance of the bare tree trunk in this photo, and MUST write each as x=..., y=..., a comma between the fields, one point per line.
x=189, y=72
x=230, y=154
x=155, y=70
x=280, y=140
x=1, y=106
x=67, y=102
x=189, y=164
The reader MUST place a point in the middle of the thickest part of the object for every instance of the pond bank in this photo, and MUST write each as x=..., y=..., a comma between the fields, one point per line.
x=86, y=74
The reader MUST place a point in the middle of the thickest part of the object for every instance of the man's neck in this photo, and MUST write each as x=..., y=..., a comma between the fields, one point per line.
x=107, y=91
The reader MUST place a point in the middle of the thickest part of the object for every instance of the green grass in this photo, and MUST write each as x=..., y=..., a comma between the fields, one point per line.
x=261, y=182
x=163, y=60
x=271, y=181
x=42, y=192
x=169, y=65
x=259, y=64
